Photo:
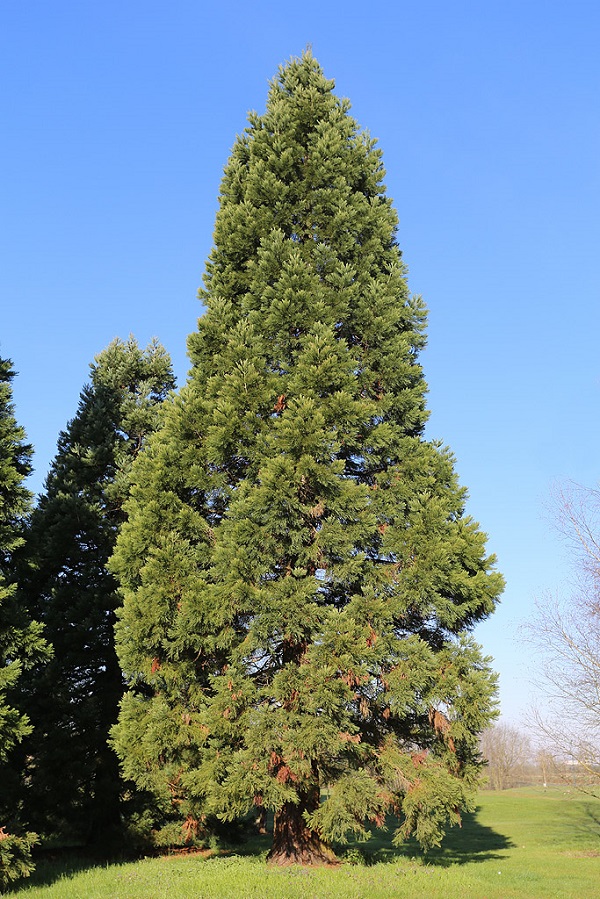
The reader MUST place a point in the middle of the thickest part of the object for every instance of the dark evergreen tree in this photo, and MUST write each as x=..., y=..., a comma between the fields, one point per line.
x=299, y=576
x=73, y=785
x=21, y=641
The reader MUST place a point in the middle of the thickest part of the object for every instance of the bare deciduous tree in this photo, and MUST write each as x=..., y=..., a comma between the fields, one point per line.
x=565, y=634
x=507, y=751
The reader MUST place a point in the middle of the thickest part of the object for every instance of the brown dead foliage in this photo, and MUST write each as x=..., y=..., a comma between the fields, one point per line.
x=372, y=637
x=441, y=726
x=418, y=758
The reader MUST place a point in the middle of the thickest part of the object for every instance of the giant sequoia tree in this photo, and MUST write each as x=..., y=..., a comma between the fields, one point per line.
x=299, y=576
x=73, y=785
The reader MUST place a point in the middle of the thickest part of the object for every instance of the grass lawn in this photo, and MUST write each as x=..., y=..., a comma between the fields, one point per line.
x=519, y=843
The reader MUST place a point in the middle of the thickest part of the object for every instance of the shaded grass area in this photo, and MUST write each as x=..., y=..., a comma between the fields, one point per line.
x=519, y=843
x=473, y=842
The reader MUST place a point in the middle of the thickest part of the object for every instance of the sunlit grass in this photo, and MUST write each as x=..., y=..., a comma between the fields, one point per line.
x=520, y=843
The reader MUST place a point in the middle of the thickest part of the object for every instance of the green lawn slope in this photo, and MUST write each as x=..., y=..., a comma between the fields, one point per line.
x=519, y=843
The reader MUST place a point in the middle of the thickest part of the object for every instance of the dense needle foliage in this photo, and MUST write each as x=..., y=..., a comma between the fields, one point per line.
x=73, y=789
x=21, y=641
x=299, y=576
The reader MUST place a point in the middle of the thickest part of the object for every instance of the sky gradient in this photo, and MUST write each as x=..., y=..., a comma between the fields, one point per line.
x=119, y=117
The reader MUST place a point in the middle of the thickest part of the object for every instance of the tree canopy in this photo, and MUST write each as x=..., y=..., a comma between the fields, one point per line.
x=21, y=641
x=73, y=699
x=299, y=575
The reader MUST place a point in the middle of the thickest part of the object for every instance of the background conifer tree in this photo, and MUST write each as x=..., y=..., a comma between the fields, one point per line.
x=299, y=576
x=73, y=784
x=21, y=641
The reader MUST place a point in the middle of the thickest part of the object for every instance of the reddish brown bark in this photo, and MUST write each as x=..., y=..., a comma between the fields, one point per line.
x=293, y=841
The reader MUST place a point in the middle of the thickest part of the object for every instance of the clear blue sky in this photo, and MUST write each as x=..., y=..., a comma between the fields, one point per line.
x=118, y=118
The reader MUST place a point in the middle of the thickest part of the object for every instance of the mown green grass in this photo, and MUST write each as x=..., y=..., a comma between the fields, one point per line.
x=520, y=843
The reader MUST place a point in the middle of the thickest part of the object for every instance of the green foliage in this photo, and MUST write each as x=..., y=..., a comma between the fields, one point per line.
x=15, y=857
x=67, y=586
x=21, y=642
x=299, y=576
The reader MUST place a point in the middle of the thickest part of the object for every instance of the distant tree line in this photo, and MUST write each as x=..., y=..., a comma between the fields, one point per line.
x=517, y=758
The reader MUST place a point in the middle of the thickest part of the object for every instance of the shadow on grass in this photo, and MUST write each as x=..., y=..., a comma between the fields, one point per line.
x=473, y=842
x=52, y=865
x=59, y=864
x=586, y=821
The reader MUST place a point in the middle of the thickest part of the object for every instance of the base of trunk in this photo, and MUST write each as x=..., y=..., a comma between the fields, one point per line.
x=294, y=843
x=305, y=855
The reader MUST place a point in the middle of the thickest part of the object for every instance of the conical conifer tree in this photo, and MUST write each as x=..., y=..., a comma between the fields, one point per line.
x=73, y=786
x=300, y=578
x=21, y=641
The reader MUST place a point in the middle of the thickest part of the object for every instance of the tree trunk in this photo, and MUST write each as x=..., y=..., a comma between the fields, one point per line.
x=293, y=842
